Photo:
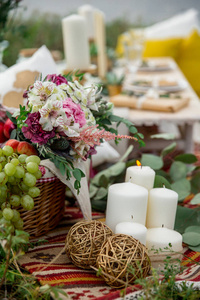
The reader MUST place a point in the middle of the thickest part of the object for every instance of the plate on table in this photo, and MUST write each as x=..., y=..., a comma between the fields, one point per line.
x=154, y=66
x=162, y=85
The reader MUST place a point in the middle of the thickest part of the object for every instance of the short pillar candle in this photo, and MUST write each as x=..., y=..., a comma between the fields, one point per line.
x=161, y=209
x=136, y=230
x=126, y=202
x=160, y=238
x=141, y=175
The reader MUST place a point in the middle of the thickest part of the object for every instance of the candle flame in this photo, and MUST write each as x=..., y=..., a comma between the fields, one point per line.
x=138, y=163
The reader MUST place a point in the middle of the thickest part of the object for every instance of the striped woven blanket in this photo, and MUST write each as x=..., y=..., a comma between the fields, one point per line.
x=50, y=264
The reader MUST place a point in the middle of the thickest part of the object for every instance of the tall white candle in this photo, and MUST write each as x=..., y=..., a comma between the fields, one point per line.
x=141, y=175
x=76, y=44
x=100, y=39
x=136, y=230
x=126, y=202
x=161, y=209
x=88, y=11
x=159, y=238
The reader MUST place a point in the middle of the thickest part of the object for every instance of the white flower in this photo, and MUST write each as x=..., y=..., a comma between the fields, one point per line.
x=49, y=113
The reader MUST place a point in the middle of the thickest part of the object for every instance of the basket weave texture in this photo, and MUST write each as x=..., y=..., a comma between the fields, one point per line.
x=48, y=208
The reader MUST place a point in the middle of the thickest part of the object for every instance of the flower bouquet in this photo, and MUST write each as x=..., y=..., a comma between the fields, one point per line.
x=64, y=121
x=61, y=122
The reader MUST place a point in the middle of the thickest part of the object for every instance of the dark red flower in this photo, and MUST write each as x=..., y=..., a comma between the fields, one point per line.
x=57, y=79
x=34, y=131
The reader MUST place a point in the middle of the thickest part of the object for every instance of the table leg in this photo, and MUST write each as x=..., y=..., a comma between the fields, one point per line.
x=189, y=144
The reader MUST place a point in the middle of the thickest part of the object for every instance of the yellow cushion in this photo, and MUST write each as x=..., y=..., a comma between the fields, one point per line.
x=189, y=60
x=159, y=48
x=152, y=48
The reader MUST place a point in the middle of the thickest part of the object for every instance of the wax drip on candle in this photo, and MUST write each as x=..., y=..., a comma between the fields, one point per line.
x=162, y=225
x=138, y=163
x=130, y=179
x=132, y=217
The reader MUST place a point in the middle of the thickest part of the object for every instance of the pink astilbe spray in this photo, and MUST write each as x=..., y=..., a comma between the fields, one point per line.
x=92, y=136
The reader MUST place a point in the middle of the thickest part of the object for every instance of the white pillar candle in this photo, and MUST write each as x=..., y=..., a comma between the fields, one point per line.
x=141, y=175
x=87, y=11
x=126, y=202
x=100, y=39
x=136, y=230
x=160, y=238
x=76, y=44
x=161, y=209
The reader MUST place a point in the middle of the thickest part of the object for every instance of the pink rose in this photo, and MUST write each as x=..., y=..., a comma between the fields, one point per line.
x=73, y=110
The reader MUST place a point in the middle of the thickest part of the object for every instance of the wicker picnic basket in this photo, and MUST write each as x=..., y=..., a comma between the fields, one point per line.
x=48, y=209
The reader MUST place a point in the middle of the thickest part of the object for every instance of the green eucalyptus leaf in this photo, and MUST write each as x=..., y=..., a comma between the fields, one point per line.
x=190, y=169
x=165, y=136
x=103, y=181
x=168, y=149
x=178, y=170
x=114, y=118
x=163, y=174
x=77, y=174
x=126, y=122
x=140, y=135
x=191, y=238
x=56, y=162
x=132, y=129
x=153, y=161
x=77, y=185
x=186, y=217
x=160, y=181
x=182, y=187
x=117, y=169
x=195, y=183
x=62, y=168
x=113, y=171
x=113, y=130
x=196, y=199
x=195, y=248
x=101, y=193
x=193, y=229
x=186, y=158
x=93, y=190
x=106, y=122
x=141, y=143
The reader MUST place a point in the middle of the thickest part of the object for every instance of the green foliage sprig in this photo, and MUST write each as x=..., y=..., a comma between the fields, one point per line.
x=16, y=283
x=154, y=287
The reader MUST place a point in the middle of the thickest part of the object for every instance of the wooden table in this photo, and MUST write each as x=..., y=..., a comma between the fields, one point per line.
x=185, y=119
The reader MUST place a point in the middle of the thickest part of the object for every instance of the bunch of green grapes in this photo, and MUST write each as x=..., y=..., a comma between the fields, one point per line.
x=18, y=176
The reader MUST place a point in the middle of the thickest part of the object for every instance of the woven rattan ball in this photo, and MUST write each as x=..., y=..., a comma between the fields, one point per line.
x=84, y=241
x=120, y=253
